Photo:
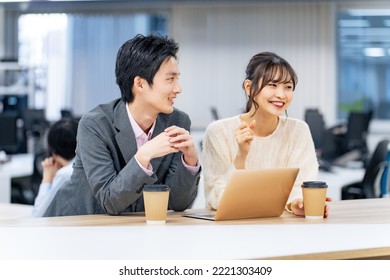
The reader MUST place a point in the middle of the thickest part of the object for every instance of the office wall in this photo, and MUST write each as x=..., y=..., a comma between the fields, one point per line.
x=218, y=41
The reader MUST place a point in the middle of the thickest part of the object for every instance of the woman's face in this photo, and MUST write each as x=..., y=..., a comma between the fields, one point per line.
x=275, y=97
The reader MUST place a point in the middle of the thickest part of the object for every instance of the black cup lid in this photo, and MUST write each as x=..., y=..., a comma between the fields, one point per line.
x=314, y=184
x=156, y=188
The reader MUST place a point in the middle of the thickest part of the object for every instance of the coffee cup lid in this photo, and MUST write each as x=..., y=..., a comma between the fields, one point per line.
x=156, y=188
x=314, y=184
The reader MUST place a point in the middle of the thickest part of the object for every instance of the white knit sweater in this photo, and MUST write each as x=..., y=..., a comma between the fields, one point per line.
x=290, y=145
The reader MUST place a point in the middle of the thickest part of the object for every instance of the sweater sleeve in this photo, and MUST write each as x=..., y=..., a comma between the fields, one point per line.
x=217, y=162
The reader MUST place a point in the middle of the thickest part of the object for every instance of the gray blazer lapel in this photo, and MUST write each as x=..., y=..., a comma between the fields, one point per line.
x=125, y=135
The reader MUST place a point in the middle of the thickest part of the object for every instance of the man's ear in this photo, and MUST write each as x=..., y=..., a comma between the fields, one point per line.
x=138, y=84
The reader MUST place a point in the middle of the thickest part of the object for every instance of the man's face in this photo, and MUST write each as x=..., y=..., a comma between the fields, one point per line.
x=160, y=96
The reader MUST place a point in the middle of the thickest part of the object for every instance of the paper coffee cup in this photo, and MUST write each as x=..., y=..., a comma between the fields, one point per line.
x=314, y=196
x=156, y=203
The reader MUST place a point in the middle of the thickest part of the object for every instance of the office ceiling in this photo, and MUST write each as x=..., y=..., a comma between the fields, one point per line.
x=361, y=34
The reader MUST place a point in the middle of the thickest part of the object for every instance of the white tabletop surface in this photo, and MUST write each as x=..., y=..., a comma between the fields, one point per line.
x=354, y=229
x=187, y=242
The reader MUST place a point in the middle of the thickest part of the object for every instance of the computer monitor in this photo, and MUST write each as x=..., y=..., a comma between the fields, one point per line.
x=14, y=103
x=9, y=141
x=34, y=120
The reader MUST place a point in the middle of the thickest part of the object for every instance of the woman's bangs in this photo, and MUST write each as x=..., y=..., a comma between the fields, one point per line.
x=279, y=74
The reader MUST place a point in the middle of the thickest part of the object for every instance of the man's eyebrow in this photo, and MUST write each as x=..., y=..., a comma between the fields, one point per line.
x=172, y=74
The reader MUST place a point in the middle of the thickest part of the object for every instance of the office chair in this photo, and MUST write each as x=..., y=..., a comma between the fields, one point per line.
x=357, y=131
x=214, y=113
x=9, y=141
x=350, y=139
x=366, y=188
x=316, y=123
x=385, y=178
x=35, y=122
x=66, y=113
x=25, y=189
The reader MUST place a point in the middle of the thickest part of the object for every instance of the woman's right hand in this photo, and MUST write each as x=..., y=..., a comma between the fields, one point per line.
x=244, y=136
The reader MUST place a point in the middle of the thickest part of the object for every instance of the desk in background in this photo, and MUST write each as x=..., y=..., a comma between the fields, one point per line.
x=339, y=177
x=20, y=165
x=355, y=229
x=14, y=211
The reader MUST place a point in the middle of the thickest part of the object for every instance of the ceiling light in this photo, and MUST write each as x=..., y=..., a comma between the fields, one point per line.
x=354, y=23
x=374, y=52
x=378, y=12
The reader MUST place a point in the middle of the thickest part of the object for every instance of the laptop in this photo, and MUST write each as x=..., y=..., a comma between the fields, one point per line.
x=259, y=193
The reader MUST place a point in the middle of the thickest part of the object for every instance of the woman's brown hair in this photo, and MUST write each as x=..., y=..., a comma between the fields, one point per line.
x=264, y=67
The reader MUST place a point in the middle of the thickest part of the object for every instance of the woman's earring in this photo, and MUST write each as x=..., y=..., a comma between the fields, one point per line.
x=286, y=113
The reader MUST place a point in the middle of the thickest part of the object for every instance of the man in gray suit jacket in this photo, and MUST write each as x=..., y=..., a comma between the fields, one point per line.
x=136, y=140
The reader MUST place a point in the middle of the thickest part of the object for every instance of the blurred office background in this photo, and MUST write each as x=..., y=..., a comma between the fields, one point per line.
x=58, y=57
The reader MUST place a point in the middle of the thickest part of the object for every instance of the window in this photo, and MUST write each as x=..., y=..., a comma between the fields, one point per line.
x=73, y=56
x=42, y=43
x=364, y=62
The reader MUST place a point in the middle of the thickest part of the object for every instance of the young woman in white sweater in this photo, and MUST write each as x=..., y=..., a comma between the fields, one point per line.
x=261, y=137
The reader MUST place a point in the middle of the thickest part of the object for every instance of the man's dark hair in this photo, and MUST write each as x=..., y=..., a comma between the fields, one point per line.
x=141, y=56
x=61, y=138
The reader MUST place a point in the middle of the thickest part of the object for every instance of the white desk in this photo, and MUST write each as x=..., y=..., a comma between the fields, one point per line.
x=355, y=229
x=188, y=242
x=20, y=165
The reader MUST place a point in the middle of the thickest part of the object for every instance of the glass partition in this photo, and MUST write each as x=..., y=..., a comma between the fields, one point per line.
x=363, y=40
